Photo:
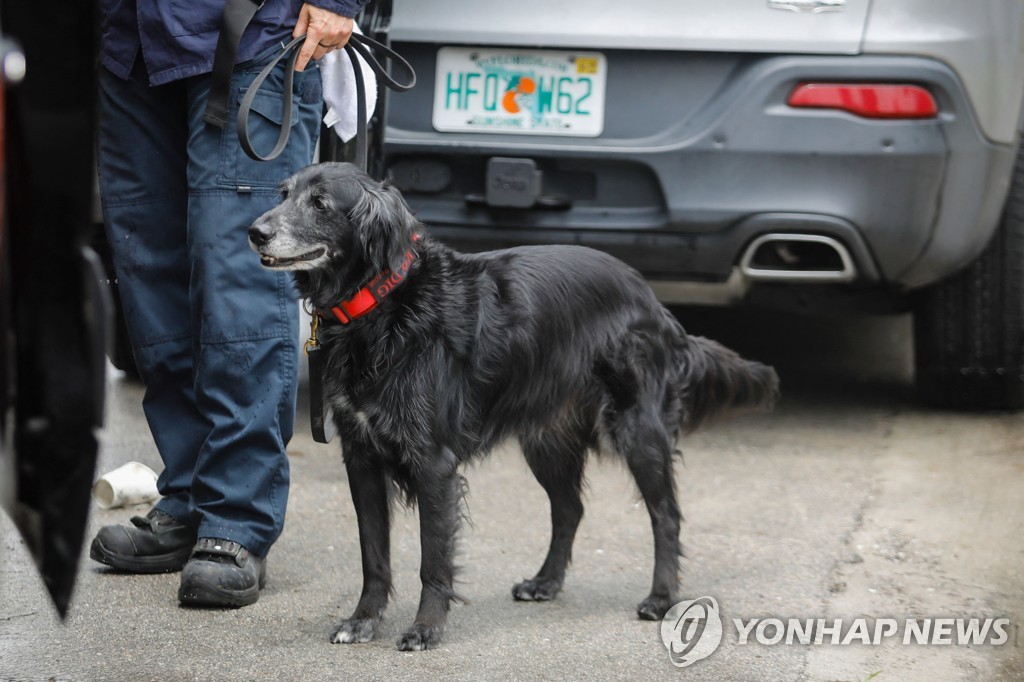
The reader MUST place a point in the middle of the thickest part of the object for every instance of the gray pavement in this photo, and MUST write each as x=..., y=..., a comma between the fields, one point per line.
x=849, y=501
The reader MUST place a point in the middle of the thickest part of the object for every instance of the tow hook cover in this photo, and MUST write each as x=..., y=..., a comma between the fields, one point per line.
x=512, y=183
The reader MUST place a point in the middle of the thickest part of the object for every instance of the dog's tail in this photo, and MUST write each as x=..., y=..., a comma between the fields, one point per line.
x=716, y=382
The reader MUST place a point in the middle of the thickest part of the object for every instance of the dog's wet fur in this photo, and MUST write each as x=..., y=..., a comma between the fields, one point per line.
x=562, y=347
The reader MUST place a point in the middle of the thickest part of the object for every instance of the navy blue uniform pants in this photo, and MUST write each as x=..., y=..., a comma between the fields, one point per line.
x=214, y=333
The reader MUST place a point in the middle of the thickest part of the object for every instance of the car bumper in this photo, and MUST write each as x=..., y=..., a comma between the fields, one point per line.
x=700, y=156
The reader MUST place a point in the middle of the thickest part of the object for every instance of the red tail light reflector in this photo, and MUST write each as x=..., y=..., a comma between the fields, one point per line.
x=867, y=100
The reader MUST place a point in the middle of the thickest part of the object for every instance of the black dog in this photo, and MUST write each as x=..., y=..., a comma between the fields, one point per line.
x=435, y=356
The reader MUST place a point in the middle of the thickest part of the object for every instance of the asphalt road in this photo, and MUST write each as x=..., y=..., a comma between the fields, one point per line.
x=849, y=501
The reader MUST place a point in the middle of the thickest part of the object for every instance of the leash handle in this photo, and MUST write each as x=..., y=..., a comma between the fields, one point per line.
x=291, y=51
x=363, y=44
x=357, y=46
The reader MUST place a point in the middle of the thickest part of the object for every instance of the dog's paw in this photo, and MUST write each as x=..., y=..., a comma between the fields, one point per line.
x=653, y=608
x=536, y=590
x=419, y=638
x=354, y=631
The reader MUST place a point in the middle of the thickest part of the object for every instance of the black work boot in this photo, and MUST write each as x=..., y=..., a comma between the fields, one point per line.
x=222, y=573
x=156, y=543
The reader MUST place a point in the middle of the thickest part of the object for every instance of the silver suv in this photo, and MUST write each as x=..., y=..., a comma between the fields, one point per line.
x=824, y=154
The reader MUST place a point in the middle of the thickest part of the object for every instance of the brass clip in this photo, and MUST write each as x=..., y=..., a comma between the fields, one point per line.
x=312, y=343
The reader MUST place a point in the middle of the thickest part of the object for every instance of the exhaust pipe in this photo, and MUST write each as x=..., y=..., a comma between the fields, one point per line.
x=797, y=258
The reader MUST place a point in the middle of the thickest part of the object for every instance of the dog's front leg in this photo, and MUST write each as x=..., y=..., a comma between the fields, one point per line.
x=439, y=489
x=373, y=514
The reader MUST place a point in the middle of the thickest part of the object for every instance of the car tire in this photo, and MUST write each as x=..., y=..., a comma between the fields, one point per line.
x=969, y=329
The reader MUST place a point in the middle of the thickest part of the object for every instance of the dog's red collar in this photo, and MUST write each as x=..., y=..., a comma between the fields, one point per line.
x=370, y=296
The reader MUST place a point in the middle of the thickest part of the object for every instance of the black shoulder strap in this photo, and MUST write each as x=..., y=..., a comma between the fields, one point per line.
x=237, y=15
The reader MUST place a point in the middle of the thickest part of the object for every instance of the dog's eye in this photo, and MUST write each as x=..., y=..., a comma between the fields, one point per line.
x=319, y=203
x=284, y=193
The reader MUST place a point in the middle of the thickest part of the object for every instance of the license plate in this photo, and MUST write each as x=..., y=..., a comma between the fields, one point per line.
x=529, y=92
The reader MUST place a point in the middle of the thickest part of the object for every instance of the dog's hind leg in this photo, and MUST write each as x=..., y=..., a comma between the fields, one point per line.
x=559, y=469
x=369, y=488
x=647, y=448
x=439, y=490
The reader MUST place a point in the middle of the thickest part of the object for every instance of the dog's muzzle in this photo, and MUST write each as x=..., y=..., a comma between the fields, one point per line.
x=260, y=236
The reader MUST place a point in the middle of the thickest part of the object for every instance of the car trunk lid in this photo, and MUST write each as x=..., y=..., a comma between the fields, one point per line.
x=806, y=26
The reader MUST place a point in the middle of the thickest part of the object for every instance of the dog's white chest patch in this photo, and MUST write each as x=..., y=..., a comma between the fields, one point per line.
x=343, y=405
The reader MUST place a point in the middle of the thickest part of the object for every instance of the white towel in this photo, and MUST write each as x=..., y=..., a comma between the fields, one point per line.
x=339, y=81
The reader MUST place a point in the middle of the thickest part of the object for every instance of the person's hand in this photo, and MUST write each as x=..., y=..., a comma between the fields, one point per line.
x=325, y=31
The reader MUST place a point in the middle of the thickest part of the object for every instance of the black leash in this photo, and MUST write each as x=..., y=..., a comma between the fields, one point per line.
x=237, y=14
x=358, y=45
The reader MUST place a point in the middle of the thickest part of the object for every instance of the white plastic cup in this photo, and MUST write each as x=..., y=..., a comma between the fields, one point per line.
x=131, y=483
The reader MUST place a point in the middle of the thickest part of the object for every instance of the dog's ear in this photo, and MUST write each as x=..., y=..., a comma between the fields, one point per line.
x=384, y=225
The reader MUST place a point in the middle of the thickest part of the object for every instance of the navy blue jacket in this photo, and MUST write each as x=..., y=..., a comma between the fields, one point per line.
x=178, y=37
